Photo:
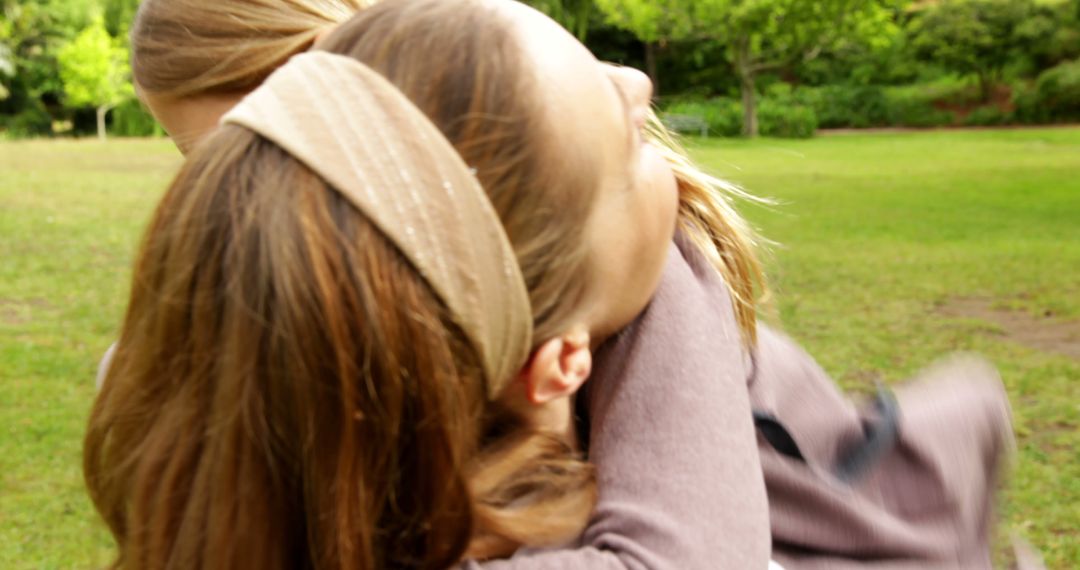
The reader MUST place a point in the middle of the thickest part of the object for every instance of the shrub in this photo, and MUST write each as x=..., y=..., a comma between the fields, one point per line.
x=791, y=121
x=130, y=119
x=913, y=106
x=1058, y=91
x=726, y=119
x=989, y=116
x=777, y=116
x=33, y=121
x=1029, y=108
x=845, y=106
x=723, y=115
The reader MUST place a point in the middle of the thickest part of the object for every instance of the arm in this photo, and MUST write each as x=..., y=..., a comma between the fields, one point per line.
x=673, y=441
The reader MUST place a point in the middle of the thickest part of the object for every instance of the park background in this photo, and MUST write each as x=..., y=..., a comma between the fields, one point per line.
x=925, y=177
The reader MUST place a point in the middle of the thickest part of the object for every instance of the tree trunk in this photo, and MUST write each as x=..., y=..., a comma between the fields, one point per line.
x=101, y=111
x=748, y=88
x=650, y=66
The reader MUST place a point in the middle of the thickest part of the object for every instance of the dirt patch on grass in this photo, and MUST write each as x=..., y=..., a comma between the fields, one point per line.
x=14, y=312
x=1041, y=333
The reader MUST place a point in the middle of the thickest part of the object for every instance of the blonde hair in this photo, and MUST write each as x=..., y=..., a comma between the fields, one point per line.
x=479, y=91
x=460, y=64
x=185, y=48
x=709, y=218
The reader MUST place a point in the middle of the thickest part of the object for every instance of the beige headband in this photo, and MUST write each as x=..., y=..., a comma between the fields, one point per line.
x=366, y=139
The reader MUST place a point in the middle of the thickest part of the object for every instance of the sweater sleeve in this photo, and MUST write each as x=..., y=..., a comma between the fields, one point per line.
x=672, y=438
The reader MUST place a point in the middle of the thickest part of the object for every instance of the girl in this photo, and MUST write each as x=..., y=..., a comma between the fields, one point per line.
x=329, y=358
x=681, y=522
x=687, y=522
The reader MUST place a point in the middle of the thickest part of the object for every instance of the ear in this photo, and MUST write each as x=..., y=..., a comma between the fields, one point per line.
x=558, y=367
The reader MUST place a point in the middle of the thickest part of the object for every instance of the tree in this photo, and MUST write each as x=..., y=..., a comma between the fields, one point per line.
x=95, y=70
x=7, y=57
x=33, y=33
x=759, y=35
x=976, y=37
x=574, y=15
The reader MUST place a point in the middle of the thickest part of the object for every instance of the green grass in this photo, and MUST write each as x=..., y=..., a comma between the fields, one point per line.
x=876, y=232
x=70, y=216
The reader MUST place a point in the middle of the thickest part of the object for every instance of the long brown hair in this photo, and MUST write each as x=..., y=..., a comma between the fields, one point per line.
x=461, y=64
x=288, y=393
x=186, y=48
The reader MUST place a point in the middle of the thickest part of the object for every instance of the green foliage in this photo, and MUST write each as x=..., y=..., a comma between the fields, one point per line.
x=871, y=106
x=7, y=57
x=781, y=115
x=34, y=32
x=760, y=35
x=574, y=15
x=786, y=119
x=1028, y=108
x=1058, y=92
x=846, y=106
x=723, y=115
x=915, y=106
x=978, y=37
x=118, y=15
x=988, y=116
x=95, y=70
x=1051, y=34
x=31, y=121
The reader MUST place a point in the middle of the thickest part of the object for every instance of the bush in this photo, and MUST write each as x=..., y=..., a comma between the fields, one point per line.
x=724, y=116
x=778, y=116
x=867, y=106
x=913, y=106
x=33, y=121
x=1058, y=92
x=845, y=106
x=785, y=120
x=989, y=116
x=1028, y=107
x=130, y=119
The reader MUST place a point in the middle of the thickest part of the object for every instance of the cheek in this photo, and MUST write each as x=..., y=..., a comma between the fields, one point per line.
x=662, y=193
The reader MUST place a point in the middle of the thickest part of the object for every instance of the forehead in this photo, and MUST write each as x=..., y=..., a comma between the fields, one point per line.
x=551, y=49
x=575, y=88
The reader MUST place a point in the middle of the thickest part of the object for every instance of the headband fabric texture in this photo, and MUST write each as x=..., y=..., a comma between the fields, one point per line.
x=360, y=134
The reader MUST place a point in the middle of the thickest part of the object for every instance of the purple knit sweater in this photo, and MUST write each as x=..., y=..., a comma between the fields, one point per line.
x=675, y=378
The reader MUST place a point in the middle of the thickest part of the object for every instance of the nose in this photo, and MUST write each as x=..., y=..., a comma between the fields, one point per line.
x=637, y=86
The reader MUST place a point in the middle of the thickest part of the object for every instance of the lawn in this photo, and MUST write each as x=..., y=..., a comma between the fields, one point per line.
x=893, y=249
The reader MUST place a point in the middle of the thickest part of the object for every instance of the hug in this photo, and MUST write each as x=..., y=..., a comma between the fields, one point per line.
x=434, y=288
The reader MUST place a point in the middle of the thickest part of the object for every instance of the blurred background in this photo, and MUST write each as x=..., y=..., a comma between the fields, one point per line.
x=776, y=67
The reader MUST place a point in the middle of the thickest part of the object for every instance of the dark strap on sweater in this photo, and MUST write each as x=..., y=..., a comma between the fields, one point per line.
x=881, y=436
